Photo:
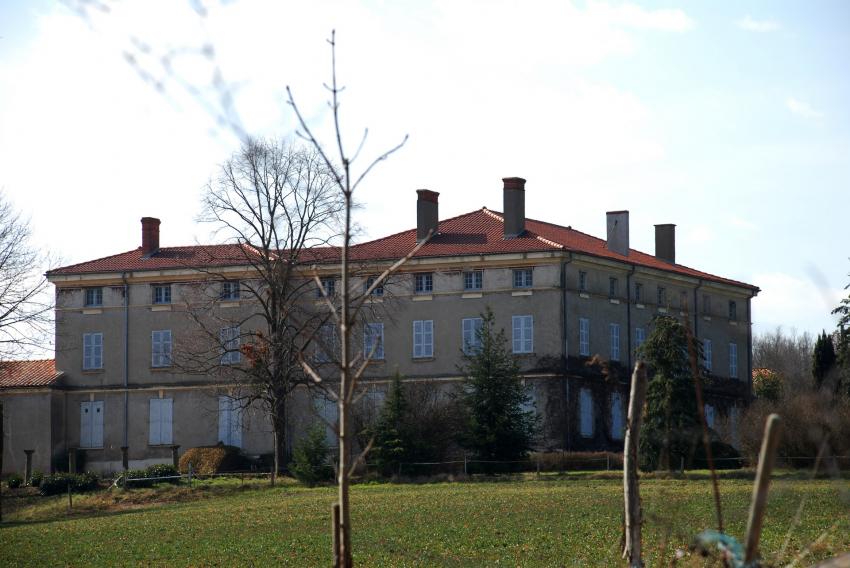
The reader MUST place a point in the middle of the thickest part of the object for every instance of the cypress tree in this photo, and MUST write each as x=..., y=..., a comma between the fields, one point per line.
x=823, y=358
x=392, y=436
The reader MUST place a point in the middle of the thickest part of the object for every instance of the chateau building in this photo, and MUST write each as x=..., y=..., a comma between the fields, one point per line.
x=574, y=308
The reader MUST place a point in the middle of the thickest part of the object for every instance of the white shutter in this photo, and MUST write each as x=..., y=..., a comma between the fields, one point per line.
x=235, y=423
x=467, y=335
x=586, y=412
x=418, y=340
x=615, y=341
x=155, y=422
x=516, y=322
x=529, y=334
x=166, y=406
x=166, y=348
x=224, y=419
x=97, y=424
x=428, y=338
x=85, y=425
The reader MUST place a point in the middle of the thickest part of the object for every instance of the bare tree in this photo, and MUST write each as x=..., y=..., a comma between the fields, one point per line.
x=276, y=205
x=25, y=302
x=351, y=366
x=787, y=353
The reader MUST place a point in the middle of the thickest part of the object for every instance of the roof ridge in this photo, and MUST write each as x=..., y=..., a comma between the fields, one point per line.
x=483, y=209
x=93, y=260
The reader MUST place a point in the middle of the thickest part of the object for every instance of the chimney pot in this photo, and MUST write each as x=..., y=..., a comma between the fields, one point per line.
x=618, y=231
x=150, y=235
x=427, y=214
x=665, y=242
x=514, y=206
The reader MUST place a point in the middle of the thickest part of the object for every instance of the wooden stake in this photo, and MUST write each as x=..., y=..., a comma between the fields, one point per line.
x=631, y=491
x=758, y=505
x=335, y=534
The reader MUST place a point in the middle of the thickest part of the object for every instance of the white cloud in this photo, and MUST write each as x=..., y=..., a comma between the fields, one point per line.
x=802, y=108
x=637, y=17
x=742, y=223
x=761, y=26
x=788, y=300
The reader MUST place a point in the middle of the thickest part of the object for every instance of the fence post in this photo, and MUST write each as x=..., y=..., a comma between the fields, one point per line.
x=175, y=457
x=28, y=470
x=70, y=500
x=72, y=460
x=631, y=489
x=759, y=502
x=190, y=475
x=464, y=463
x=125, y=457
x=682, y=464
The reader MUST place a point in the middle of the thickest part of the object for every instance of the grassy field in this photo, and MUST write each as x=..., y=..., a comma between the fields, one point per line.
x=569, y=520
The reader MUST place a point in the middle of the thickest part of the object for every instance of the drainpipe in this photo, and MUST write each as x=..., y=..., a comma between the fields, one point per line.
x=126, y=355
x=564, y=350
x=629, y=315
x=750, y=343
x=696, y=310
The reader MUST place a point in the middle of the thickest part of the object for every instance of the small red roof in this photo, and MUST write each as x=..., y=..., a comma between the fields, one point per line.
x=477, y=233
x=37, y=373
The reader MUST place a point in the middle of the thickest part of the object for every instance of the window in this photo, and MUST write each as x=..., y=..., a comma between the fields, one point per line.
x=160, y=421
x=706, y=304
x=161, y=348
x=733, y=360
x=638, y=292
x=230, y=340
x=613, y=287
x=423, y=283
x=325, y=343
x=523, y=337
x=584, y=336
x=91, y=424
x=709, y=415
x=327, y=411
x=523, y=278
x=582, y=281
x=618, y=425
x=92, y=351
x=640, y=336
x=733, y=310
x=586, y=413
x=373, y=339
x=683, y=301
x=706, y=354
x=662, y=297
x=328, y=285
x=229, y=421
x=94, y=297
x=423, y=338
x=379, y=289
x=471, y=338
x=230, y=290
x=473, y=280
x=615, y=341
x=161, y=293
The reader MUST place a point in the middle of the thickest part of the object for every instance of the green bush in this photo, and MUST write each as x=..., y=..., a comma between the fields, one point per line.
x=162, y=470
x=36, y=478
x=14, y=481
x=310, y=458
x=59, y=482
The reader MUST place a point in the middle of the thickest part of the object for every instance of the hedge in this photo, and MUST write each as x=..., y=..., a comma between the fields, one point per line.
x=213, y=459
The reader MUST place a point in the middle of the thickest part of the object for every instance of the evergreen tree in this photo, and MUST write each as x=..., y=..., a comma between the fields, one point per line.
x=671, y=427
x=823, y=358
x=310, y=458
x=392, y=437
x=497, y=426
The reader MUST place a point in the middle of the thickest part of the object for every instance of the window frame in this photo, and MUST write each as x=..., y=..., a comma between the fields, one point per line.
x=613, y=287
x=475, y=277
x=475, y=324
x=586, y=395
x=379, y=289
x=523, y=278
x=230, y=338
x=584, y=337
x=156, y=433
x=368, y=334
x=523, y=343
x=230, y=290
x=423, y=339
x=161, y=358
x=733, y=360
x=733, y=310
x=96, y=291
x=582, y=281
x=638, y=292
x=707, y=355
x=614, y=347
x=95, y=346
x=165, y=298
x=640, y=337
x=423, y=282
x=661, y=296
x=328, y=285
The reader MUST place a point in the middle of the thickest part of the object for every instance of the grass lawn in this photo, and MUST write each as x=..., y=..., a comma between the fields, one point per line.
x=571, y=520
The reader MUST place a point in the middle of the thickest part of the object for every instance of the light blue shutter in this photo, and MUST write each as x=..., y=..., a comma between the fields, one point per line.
x=428, y=338
x=166, y=348
x=87, y=351
x=467, y=335
x=98, y=350
x=155, y=422
x=615, y=341
x=235, y=423
x=224, y=419
x=516, y=323
x=85, y=424
x=586, y=411
x=166, y=406
x=528, y=338
x=418, y=338
x=709, y=415
x=617, y=423
x=97, y=424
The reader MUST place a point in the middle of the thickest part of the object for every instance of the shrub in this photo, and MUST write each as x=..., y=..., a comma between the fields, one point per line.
x=310, y=458
x=162, y=470
x=140, y=475
x=724, y=455
x=575, y=461
x=767, y=384
x=36, y=478
x=14, y=481
x=213, y=459
x=59, y=482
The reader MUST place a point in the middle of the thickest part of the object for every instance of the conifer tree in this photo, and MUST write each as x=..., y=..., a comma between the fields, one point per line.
x=823, y=358
x=671, y=426
x=392, y=438
x=497, y=425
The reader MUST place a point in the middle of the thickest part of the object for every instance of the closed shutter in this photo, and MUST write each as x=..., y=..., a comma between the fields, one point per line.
x=85, y=425
x=617, y=423
x=224, y=419
x=428, y=338
x=528, y=339
x=97, y=424
x=517, y=334
x=235, y=423
x=155, y=422
x=166, y=406
x=586, y=411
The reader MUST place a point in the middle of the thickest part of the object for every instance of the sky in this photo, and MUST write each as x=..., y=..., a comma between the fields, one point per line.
x=729, y=119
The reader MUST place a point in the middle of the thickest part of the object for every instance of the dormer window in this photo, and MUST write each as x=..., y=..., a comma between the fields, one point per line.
x=230, y=290
x=94, y=297
x=161, y=293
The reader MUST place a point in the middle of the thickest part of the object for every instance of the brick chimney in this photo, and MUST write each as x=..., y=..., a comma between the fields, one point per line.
x=150, y=235
x=618, y=231
x=665, y=242
x=514, y=209
x=427, y=216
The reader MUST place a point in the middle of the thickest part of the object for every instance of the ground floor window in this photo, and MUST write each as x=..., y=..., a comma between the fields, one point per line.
x=159, y=422
x=230, y=421
x=586, y=413
x=91, y=424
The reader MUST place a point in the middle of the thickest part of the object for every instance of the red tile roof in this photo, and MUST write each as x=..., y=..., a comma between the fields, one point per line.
x=16, y=374
x=477, y=233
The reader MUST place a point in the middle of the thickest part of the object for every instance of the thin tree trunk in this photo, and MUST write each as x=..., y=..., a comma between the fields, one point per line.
x=631, y=491
x=759, y=501
x=276, y=456
x=345, y=556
